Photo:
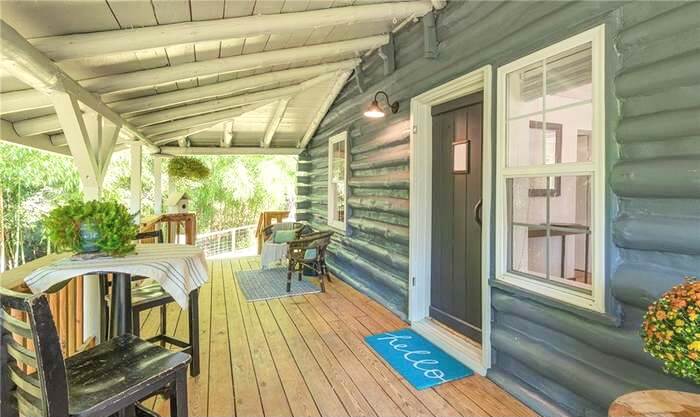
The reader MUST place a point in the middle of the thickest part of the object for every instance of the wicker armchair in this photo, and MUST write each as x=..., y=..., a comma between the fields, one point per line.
x=309, y=252
x=269, y=230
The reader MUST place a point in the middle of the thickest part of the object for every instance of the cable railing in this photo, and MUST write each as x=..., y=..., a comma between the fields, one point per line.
x=238, y=241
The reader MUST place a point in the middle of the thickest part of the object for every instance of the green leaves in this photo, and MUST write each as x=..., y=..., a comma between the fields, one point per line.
x=187, y=168
x=112, y=220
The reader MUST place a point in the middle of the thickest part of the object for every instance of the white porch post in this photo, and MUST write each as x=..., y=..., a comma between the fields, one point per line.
x=157, y=185
x=135, y=201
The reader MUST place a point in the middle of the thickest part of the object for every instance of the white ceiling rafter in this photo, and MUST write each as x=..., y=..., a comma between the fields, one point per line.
x=28, y=64
x=68, y=47
x=274, y=122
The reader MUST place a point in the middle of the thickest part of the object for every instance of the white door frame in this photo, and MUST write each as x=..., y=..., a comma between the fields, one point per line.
x=421, y=172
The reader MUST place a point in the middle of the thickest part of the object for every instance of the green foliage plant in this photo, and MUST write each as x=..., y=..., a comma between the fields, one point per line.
x=111, y=219
x=186, y=167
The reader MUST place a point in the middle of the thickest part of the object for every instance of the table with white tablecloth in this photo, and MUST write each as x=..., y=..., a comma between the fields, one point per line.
x=179, y=269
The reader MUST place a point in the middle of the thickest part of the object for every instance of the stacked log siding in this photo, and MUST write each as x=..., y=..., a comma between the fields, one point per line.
x=556, y=358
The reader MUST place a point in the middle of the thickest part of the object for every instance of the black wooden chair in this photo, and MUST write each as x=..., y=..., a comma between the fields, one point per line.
x=309, y=252
x=99, y=382
x=147, y=294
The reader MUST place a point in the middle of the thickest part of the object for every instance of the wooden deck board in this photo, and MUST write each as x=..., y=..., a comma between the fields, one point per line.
x=306, y=356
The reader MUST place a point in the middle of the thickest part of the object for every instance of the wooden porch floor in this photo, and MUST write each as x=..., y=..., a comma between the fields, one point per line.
x=305, y=356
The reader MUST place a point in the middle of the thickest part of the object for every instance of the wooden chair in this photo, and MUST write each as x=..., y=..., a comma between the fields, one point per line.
x=95, y=383
x=309, y=252
x=269, y=230
x=149, y=294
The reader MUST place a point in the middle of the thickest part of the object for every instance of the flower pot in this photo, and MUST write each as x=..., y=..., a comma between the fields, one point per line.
x=89, y=235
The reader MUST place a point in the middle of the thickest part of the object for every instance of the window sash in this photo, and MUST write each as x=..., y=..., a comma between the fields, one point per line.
x=334, y=183
x=595, y=168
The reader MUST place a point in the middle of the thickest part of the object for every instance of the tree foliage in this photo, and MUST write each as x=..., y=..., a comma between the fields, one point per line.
x=33, y=182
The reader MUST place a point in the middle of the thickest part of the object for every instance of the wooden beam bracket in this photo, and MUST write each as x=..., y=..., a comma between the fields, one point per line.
x=388, y=54
x=430, y=39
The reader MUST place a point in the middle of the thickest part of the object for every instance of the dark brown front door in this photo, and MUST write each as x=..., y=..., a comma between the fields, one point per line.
x=456, y=218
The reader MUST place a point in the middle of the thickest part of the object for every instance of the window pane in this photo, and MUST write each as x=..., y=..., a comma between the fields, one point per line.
x=571, y=207
x=528, y=251
x=570, y=257
x=569, y=77
x=524, y=138
x=460, y=155
x=340, y=201
x=338, y=161
x=574, y=122
x=524, y=206
x=525, y=91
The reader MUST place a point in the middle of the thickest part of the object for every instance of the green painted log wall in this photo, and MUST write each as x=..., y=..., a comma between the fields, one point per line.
x=558, y=359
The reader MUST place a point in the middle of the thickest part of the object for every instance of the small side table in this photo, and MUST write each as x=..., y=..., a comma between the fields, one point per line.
x=657, y=403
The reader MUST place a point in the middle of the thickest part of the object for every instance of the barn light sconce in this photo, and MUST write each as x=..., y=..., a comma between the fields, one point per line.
x=375, y=112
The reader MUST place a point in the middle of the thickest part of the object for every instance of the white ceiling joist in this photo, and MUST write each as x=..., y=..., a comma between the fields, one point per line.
x=41, y=142
x=17, y=101
x=152, y=77
x=234, y=150
x=226, y=88
x=85, y=45
x=208, y=119
x=274, y=122
x=37, y=125
x=29, y=65
x=330, y=98
x=222, y=104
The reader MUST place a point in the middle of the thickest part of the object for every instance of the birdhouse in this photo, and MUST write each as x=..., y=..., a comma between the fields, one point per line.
x=179, y=202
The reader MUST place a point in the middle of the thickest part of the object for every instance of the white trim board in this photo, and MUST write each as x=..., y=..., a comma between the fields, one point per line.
x=421, y=173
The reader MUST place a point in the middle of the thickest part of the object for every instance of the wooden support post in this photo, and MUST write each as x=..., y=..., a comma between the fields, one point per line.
x=135, y=201
x=157, y=185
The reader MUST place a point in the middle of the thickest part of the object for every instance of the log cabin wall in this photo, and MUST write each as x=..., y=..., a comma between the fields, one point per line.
x=556, y=358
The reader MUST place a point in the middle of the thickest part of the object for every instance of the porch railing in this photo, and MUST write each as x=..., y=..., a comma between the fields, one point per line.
x=238, y=241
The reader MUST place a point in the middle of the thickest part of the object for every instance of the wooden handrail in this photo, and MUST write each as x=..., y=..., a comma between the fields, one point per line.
x=265, y=219
x=171, y=223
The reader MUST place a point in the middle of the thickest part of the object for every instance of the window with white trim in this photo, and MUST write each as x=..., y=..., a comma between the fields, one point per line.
x=550, y=193
x=337, y=181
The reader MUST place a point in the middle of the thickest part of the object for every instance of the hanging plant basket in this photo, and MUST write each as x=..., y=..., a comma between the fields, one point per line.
x=186, y=167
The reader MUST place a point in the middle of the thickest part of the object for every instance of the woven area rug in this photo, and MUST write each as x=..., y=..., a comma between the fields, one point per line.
x=266, y=284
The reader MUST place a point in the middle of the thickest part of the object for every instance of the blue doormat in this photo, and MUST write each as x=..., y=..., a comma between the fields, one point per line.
x=266, y=284
x=422, y=363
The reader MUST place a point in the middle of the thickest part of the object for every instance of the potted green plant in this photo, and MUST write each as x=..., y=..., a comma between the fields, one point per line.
x=92, y=226
x=671, y=330
x=186, y=167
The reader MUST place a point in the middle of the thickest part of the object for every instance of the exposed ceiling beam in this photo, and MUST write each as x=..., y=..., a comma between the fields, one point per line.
x=438, y=4
x=139, y=79
x=330, y=98
x=226, y=88
x=85, y=45
x=29, y=65
x=17, y=101
x=40, y=142
x=274, y=122
x=224, y=103
x=208, y=119
x=37, y=125
x=234, y=150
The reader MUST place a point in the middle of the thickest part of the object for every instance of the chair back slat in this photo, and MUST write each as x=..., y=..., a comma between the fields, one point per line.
x=42, y=390
x=25, y=406
x=28, y=383
x=20, y=353
x=14, y=325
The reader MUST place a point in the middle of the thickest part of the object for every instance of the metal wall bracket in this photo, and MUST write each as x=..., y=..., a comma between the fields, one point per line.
x=388, y=54
x=430, y=40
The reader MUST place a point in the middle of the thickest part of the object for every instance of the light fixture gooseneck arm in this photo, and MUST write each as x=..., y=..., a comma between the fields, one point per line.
x=393, y=106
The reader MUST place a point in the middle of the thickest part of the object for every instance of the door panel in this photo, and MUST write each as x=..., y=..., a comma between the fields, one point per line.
x=456, y=232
